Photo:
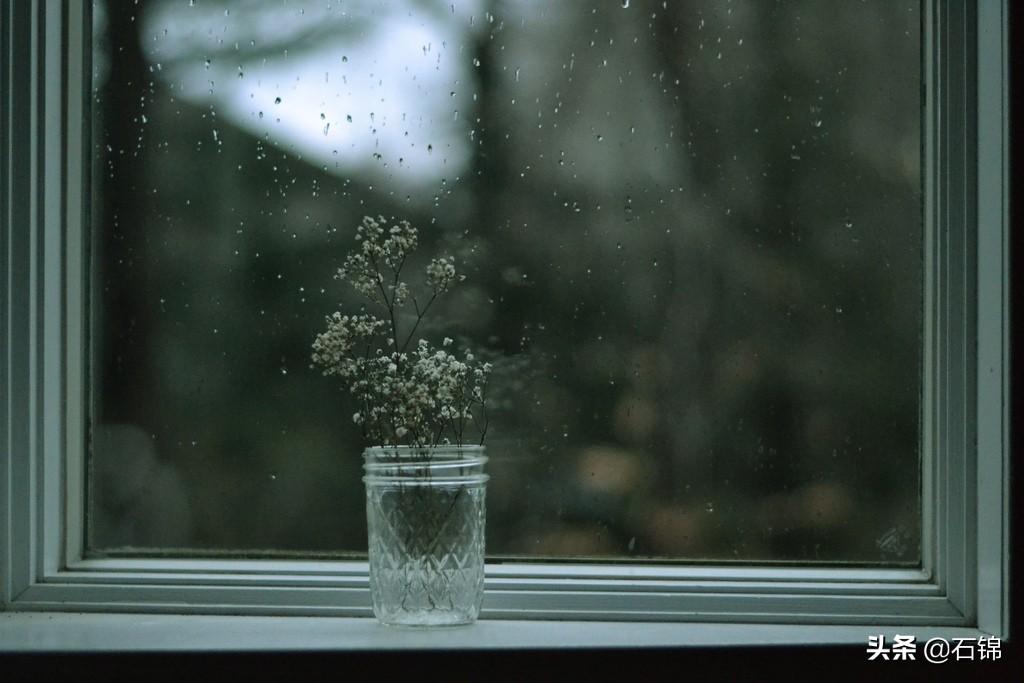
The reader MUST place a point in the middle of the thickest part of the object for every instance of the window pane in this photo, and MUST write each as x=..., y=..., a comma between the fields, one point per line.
x=692, y=238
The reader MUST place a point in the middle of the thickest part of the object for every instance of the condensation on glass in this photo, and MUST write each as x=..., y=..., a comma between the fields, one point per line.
x=692, y=234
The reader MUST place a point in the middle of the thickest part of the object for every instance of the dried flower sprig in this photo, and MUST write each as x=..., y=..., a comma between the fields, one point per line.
x=420, y=397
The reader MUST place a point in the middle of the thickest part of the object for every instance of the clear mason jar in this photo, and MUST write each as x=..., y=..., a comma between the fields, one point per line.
x=425, y=526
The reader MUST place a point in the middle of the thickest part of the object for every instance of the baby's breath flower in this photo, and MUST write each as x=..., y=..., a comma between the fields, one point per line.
x=440, y=273
x=425, y=396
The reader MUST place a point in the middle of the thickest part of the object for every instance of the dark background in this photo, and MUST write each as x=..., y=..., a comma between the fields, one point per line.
x=709, y=258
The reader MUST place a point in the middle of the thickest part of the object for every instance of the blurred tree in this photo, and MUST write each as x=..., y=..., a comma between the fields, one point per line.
x=699, y=223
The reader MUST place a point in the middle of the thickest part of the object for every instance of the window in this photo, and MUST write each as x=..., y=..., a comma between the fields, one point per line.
x=942, y=565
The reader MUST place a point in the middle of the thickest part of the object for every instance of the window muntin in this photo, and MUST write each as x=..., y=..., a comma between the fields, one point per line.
x=716, y=281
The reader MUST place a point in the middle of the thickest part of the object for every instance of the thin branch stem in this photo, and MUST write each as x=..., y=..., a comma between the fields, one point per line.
x=390, y=306
x=419, y=318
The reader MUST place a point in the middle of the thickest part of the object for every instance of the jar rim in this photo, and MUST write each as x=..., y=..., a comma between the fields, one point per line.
x=411, y=451
x=437, y=482
x=438, y=447
x=431, y=465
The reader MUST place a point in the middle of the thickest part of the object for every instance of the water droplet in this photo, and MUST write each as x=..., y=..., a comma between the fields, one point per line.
x=344, y=58
x=709, y=507
x=277, y=100
x=625, y=4
x=349, y=118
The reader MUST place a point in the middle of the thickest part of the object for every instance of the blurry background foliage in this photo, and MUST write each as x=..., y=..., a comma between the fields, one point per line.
x=691, y=229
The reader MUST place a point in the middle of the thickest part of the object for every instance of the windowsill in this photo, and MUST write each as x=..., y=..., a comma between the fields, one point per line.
x=77, y=632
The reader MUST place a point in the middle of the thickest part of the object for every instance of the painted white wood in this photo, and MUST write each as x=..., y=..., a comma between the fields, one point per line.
x=951, y=459
x=993, y=397
x=519, y=570
x=7, y=216
x=930, y=325
x=20, y=112
x=51, y=310
x=104, y=632
x=76, y=285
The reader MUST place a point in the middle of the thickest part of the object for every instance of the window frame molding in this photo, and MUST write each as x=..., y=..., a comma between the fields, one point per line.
x=963, y=581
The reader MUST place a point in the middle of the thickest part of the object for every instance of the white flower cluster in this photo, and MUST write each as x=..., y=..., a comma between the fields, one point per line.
x=417, y=397
x=332, y=348
x=441, y=274
x=383, y=249
x=388, y=245
x=423, y=397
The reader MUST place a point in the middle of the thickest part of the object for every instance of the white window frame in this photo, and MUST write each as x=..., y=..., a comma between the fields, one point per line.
x=961, y=587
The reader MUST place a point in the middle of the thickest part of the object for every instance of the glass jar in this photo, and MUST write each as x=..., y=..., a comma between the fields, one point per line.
x=425, y=527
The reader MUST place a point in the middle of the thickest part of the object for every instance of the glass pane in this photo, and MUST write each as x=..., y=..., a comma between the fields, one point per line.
x=691, y=232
